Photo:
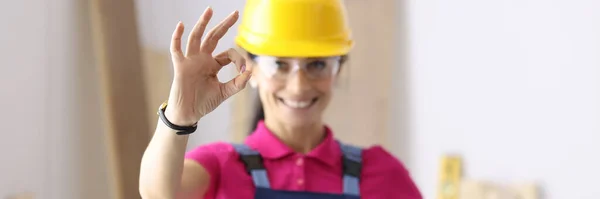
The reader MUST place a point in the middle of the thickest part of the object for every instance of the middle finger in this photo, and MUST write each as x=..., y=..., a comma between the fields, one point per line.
x=193, y=45
x=212, y=38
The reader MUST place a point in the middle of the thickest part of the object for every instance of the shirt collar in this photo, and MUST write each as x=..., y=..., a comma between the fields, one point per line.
x=270, y=147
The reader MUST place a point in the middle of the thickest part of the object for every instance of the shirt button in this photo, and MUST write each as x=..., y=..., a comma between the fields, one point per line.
x=300, y=181
x=299, y=162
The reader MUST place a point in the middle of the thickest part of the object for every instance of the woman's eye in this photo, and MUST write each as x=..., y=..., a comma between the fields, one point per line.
x=282, y=66
x=317, y=65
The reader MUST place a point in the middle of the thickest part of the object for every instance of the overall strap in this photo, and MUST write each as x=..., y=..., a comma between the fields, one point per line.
x=254, y=165
x=352, y=165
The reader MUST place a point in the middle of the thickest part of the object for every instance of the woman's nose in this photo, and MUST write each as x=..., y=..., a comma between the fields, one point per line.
x=298, y=82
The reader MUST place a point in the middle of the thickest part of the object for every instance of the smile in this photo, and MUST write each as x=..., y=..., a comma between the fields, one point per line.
x=296, y=104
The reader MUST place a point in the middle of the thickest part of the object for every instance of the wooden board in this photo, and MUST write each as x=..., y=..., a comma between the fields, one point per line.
x=158, y=76
x=360, y=111
x=117, y=53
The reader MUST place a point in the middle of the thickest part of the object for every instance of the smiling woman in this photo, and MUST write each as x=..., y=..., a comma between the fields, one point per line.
x=294, y=51
x=280, y=69
x=297, y=89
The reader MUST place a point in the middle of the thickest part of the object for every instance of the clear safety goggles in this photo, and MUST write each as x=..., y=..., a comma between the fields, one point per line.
x=313, y=68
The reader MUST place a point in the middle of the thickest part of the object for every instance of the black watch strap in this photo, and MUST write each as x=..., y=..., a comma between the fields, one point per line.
x=180, y=130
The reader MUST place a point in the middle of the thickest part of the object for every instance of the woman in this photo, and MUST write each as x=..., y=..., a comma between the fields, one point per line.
x=294, y=49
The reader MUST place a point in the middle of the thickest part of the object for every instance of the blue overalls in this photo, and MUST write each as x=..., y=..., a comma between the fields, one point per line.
x=351, y=160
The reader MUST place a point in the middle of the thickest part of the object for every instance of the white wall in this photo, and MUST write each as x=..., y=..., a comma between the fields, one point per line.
x=51, y=130
x=513, y=86
x=19, y=63
x=157, y=20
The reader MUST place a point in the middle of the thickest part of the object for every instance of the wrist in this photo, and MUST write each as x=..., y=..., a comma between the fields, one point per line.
x=177, y=118
x=181, y=126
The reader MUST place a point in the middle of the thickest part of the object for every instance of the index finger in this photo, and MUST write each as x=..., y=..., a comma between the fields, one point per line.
x=231, y=55
x=176, y=41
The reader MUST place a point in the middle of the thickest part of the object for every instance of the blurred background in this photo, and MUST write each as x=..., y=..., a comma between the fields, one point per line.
x=511, y=88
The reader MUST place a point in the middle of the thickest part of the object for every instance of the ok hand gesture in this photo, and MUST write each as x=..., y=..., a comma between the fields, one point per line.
x=196, y=90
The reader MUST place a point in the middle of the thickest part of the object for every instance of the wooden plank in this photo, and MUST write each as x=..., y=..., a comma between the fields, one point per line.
x=117, y=55
x=360, y=111
x=158, y=76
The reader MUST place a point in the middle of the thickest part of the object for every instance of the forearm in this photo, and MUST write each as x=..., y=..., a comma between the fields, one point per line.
x=162, y=164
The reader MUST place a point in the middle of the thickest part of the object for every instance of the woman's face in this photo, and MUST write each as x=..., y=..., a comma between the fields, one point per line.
x=295, y=91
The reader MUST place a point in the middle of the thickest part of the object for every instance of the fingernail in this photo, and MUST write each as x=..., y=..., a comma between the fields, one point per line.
x=243, y=69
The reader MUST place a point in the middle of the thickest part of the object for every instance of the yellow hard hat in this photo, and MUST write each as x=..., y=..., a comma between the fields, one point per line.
x=295, y=28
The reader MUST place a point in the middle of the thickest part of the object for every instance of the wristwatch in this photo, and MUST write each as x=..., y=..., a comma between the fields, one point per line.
x=180, y=130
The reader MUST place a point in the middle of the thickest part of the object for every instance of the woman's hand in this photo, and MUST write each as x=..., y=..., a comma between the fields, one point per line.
x=196, y=90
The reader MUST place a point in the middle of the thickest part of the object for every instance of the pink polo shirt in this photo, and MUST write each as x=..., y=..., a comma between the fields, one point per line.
x=382, y=177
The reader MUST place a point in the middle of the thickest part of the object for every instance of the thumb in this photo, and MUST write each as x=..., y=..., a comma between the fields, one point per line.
x=237, y=84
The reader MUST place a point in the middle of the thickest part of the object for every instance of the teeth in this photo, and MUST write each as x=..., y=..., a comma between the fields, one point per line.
x=297, y=104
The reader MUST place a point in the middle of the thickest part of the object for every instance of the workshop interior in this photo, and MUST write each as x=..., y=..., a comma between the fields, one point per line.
x=478, y=99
